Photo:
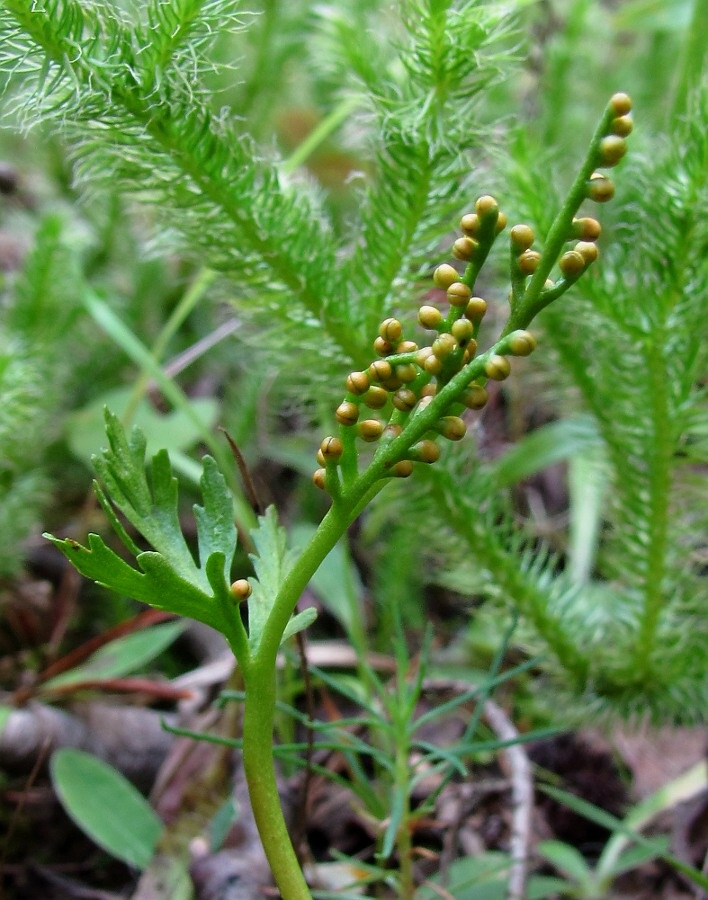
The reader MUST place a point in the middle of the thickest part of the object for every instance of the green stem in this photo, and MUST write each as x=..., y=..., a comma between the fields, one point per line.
x=259, y=711
x=320, y=133
x=329, y=531
x=256, y=97
x=259, y=674
x=214, y=186
x=392, y=259
x=258, y=763
x=401, y=711
x=188, y=301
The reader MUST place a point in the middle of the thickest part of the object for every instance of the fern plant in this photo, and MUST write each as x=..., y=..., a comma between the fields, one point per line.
x=129, y=86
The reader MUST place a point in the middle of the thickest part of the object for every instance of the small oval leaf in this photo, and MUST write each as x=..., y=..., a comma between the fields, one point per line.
x=106, y=806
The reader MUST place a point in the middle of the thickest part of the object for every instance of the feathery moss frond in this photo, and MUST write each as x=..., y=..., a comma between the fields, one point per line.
x=129, y=96
x=423, y=93
x=178, y=34
x=474, y=527
x=35, y=319
x=213, y=187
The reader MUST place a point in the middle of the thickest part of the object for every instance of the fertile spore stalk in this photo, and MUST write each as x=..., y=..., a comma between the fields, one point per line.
x=409, y=398
x=412, y=395
x=447, y=372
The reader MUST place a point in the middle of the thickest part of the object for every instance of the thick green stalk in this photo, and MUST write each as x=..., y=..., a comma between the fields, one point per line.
x=258, y=762
x=259, y=711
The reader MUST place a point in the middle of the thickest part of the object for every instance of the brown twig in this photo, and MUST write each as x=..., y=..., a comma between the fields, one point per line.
x=155, y=689
x=65, y=606
x=83, y=651
x=521, y=797
x=248, y=485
